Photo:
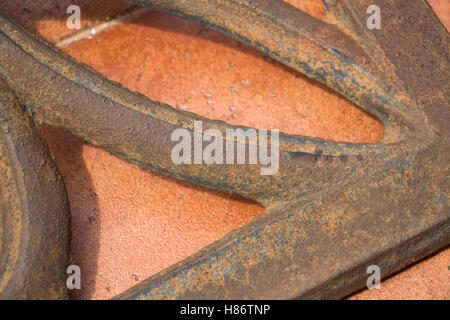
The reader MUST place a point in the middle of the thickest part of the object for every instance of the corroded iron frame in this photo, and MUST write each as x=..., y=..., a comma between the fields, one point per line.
x=333, y=208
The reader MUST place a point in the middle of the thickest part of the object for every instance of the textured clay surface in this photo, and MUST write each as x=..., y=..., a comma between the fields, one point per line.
x=442, y=10
x=427, y=279
x=128, y=222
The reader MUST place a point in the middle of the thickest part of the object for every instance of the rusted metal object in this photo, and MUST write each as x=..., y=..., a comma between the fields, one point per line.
x=333, y=208
x=34, y=219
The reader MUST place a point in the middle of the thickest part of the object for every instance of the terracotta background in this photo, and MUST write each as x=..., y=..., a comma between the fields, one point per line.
x=128, y=222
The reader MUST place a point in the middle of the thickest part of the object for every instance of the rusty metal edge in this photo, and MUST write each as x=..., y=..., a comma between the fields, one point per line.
x=34, y=208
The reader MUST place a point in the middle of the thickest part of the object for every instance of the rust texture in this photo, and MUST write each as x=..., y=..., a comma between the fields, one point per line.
x=334, y=207
x=35, y=219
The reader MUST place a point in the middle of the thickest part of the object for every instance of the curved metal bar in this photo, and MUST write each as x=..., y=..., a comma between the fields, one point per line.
x=332, y=207
x=58, y=90
x=391, y=214
x=34, y=230
x=314, y=48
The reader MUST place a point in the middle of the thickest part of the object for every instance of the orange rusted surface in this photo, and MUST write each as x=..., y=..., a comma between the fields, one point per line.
x=151, y=221
x=128, y=222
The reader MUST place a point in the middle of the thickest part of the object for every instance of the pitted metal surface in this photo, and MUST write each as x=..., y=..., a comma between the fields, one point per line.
x=333, y=206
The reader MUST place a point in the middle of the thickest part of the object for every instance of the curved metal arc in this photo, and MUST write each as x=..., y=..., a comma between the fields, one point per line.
x=397, y=217
x=35, y=230
x=61, y=92
x=305, y=44
x=88, y=78
x=331, y=227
